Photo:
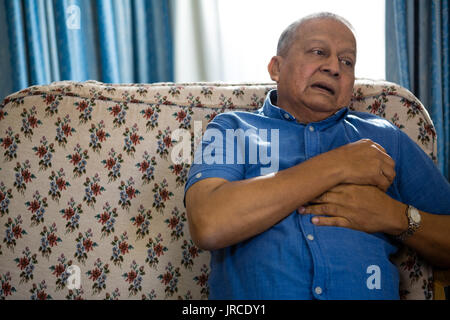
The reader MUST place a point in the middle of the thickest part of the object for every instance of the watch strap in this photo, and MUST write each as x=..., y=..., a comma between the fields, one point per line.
x=412, y=225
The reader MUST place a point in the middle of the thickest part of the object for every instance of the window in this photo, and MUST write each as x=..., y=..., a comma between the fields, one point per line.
x=234, y=40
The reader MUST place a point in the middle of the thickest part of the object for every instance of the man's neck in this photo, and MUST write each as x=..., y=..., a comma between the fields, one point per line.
x=306, y=115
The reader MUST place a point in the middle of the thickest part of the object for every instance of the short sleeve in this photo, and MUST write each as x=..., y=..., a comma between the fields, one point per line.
x=420, y=182
x=211, y=159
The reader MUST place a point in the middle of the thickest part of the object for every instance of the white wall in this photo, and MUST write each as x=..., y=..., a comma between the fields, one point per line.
x=248, y=32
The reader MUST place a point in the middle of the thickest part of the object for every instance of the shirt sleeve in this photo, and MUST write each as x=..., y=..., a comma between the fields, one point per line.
x=420, y=182
x=211, y=159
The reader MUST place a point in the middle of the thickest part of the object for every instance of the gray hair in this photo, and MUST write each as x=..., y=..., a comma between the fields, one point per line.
x=288, y=35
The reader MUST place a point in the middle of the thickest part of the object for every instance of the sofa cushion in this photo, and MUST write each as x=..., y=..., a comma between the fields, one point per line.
x=91, y=199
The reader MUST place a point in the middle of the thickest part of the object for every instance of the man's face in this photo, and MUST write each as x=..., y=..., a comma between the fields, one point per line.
x=316, y=76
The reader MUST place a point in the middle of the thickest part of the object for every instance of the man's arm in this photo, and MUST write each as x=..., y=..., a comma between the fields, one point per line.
x=223, y=213
x=432, y=239
x=368, y=209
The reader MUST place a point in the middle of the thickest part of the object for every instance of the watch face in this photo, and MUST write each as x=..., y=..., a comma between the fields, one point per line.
x=415, y=215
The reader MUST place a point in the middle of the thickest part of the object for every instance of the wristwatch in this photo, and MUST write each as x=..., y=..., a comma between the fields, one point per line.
x=414, y=220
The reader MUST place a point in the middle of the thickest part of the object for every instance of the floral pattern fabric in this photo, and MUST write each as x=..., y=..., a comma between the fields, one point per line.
x=88, y=185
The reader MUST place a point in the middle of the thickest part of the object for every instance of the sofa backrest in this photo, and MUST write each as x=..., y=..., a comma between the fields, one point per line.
x=91, y=189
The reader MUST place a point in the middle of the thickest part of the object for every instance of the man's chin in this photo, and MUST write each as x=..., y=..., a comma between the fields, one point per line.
x=324, y=107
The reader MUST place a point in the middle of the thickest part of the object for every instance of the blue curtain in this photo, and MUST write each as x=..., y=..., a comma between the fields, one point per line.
x=418, y=58
x=113, y=41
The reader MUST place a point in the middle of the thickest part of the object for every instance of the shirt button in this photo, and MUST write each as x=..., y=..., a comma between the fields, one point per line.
x=286, y=116
x=198, y=175
x=310, y=237
x=311, y=129
x=318, y=290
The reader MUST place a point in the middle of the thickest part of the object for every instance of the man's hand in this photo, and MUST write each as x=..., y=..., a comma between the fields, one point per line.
x=363, y=208
x=365, y=163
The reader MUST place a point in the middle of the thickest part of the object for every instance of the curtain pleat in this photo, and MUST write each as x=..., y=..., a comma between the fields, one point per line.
x=107, y=40
x=17, y=44
x=446, y=81
x=417, y=57
x=113, y=41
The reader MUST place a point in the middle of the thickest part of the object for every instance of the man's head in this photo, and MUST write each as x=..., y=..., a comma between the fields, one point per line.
x=314, y=66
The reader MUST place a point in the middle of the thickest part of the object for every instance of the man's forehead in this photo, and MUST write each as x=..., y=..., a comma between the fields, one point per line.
x=346, y=46
x=322, y=28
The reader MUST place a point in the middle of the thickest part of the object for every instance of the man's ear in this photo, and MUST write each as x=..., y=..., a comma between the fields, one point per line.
x=274, y=68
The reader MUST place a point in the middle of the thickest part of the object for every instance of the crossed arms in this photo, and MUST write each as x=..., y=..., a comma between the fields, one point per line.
x=347, y=184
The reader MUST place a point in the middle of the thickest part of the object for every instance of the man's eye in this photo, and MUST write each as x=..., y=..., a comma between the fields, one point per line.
x=318, y=52
x=347, y=62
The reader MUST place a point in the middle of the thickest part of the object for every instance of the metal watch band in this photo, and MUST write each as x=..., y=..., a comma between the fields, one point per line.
x=412, y=225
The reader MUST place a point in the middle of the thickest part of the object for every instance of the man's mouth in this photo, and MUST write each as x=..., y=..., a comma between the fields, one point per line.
x=323, y=87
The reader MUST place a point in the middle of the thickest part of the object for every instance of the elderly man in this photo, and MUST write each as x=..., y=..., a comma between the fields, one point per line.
x=346, y=191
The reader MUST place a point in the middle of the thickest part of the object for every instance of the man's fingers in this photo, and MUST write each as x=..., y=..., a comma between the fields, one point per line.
x=322, y=209
x=385, y=178
x=328, y=197
x=389, y=173
x=324, y=221
x=381, y=167
x=390, y=162
x=331, y=222
x=382, y=183
x=379, y=146
x=387, y=159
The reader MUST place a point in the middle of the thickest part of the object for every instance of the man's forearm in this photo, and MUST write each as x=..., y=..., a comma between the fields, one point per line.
x=236, y=211
x=432, y=240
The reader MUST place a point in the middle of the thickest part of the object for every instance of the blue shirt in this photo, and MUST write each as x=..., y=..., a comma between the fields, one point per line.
x=295, y=259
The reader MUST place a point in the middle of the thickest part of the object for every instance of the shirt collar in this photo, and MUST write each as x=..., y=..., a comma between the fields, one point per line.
x=272, y=111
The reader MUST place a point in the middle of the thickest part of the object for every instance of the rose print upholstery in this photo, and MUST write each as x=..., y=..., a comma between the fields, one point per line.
x=89, y=189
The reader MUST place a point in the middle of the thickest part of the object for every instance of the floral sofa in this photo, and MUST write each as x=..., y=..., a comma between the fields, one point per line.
x=91, y=201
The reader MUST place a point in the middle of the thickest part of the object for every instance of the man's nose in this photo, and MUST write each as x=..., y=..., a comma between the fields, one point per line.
x=332, y=67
